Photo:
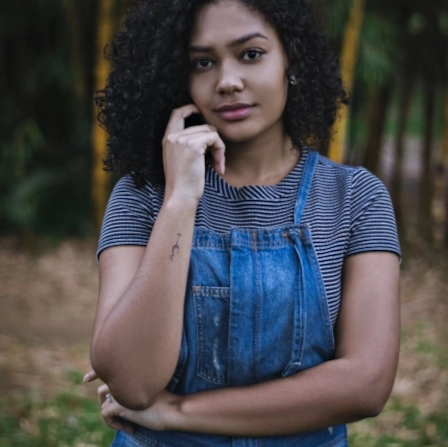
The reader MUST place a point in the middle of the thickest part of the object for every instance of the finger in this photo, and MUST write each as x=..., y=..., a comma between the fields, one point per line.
x=191, y=132
x=205, y=141
x=219, y=158
x=90, y=376
x=112, y=414
x=102, y=391
x=117, y=423
x=176, y=122
x=197, y=129
x=213, y=143
x=123, y=425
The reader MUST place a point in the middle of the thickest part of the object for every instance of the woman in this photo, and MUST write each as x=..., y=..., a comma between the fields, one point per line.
x=248, y=286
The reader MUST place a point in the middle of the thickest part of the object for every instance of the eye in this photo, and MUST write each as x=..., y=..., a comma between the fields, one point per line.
x=252, y=55
x=201, y=64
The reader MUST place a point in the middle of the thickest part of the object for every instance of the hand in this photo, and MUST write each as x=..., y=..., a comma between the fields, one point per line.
x=184, y=151
x=112, y=412
x=90, y=376
x=160, y=416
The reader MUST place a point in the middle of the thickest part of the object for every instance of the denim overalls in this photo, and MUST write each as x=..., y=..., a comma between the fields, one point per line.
x=255, y=310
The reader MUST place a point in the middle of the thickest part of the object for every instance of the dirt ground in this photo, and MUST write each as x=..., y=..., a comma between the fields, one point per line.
x=47, y=302
x=48, y=299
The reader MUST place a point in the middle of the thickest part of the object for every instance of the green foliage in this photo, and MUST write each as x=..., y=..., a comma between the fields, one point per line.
x=47, y=51
x=45, y=127
x=75, y=377
x=412, y=428
x=380, y=53
x=68, y=419
x=335, y=17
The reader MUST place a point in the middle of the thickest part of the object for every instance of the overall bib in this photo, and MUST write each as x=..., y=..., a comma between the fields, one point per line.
x=255, y=310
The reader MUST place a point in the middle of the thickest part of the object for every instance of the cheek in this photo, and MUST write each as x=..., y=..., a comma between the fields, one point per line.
x=274, y=88
x=273, y=80
x=198, y=92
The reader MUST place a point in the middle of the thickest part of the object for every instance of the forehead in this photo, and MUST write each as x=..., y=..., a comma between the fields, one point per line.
x=221, y=22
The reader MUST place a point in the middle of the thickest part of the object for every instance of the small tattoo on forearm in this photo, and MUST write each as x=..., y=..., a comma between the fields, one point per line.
x=176, y=247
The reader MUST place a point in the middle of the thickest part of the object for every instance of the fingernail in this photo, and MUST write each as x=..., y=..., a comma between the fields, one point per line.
x=86, y=377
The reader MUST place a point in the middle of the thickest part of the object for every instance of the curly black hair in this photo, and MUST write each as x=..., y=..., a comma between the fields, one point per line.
x=150, y=72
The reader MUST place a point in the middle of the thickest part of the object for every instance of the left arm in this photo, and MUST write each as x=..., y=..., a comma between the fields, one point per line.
x=355, y=385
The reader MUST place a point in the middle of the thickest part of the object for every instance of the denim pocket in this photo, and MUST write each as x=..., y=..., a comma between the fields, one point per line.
x=211, y=307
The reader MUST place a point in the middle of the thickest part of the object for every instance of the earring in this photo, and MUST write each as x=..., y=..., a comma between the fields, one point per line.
x=292, y=80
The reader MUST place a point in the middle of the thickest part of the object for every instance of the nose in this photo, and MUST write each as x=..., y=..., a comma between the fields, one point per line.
x=229, y=81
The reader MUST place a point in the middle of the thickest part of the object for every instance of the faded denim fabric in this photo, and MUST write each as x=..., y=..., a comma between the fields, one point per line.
x=255, y=310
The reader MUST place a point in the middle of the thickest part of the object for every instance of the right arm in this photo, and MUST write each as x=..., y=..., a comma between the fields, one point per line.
x=138, y=326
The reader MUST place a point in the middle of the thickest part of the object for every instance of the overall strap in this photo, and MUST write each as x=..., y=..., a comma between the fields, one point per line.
x=305, y=184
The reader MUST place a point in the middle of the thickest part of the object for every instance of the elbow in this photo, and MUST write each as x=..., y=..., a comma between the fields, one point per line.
x=136, y=400
x=375, y=393
x=369, y=387
x=126, y=391
x=130, y=394
x=372, y=408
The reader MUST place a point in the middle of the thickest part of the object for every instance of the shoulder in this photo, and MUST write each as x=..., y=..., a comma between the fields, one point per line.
x=337, y=170
x=130, y=214
x=126, y=194
x=126, y=187
x=365, y=202
x=353, y=180
x=356, y=192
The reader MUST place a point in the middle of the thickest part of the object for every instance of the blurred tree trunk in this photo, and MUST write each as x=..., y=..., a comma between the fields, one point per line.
x=444, y=143
x=407, y=91
x=349, y=57
x=440, y=204
x=76, y=58
x=100, y=180
x=2, y=64
x=430, y=86
x=444, y=159
x=427, y=178
x=440, y=199
x=21, y=77
x=77, y=62
x=378, y=103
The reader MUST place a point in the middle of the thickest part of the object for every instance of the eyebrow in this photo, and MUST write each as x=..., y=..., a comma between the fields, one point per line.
x=233, y=43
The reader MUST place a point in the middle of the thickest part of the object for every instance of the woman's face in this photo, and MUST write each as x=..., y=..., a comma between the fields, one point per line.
x=238, y=71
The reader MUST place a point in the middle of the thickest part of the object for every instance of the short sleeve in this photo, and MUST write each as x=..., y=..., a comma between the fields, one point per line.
x=372, y=220
x=129, y=216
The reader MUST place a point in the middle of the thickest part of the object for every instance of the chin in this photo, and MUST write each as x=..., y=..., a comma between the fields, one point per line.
x=239, y=134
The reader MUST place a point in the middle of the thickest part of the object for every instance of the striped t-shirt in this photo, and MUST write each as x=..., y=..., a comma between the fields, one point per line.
x=348, y=211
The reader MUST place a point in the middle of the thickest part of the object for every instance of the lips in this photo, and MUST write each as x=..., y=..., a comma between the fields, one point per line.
x=234, y=112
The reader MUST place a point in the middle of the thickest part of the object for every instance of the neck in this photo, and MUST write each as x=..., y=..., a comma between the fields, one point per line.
x=264, y=160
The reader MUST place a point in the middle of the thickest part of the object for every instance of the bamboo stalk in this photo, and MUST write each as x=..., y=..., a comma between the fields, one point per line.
x=379, y=99
x=444, y=162
x=100, y=180
x=349, y=57
x=76, y=56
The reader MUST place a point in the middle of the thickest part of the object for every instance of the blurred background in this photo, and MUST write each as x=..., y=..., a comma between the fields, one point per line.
x=394, y=59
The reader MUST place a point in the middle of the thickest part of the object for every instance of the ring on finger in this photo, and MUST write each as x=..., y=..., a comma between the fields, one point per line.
x=109, y=397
